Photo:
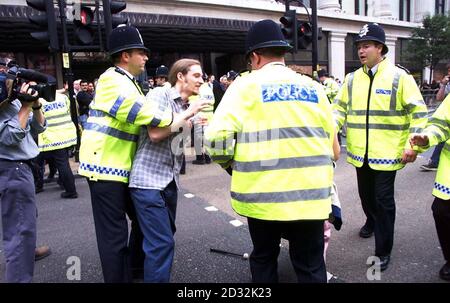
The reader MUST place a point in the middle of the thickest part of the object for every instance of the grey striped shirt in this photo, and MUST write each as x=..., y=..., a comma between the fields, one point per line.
x=157, y=164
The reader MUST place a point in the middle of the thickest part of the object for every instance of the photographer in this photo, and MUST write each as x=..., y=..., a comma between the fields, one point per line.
x=19, y=119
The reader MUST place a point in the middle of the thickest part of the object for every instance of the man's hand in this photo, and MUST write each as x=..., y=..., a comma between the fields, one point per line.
x=409, y=156
x=419, y=140
x=28, y=96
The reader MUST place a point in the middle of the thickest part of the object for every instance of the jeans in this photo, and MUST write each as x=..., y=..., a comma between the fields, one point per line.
x=436, y=154
x=156, y=210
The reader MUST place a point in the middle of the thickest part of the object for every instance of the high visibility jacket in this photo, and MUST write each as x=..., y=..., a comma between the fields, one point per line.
x=61, y=132
x=380, y=112
x=331, y=88
x=206, y=93
x=108, y=143
x=282, y=155
x=438, y=130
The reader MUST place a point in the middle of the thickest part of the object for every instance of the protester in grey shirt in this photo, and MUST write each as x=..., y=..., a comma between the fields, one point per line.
x=156, y=168
x=18, y=120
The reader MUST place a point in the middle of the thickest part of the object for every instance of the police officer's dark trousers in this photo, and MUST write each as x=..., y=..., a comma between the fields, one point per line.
x=441, y=214
x=306, y=244
x=376, y=190
x=18, y=205
x=61, y=160
x=122, y=259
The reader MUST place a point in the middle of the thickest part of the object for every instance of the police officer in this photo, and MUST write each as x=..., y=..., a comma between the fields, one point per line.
x=107, y=150
x=382, y=106
x=55, y=141
x=18, y=119
x=283, y=125
x=331, y=86
x=161, y=76
x=438, y=130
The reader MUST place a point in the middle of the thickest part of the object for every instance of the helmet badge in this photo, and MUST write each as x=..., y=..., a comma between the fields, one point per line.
x=364, y=30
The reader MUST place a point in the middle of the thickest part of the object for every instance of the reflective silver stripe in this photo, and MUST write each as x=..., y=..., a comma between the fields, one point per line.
x=281, y=133
x=155, y=122
x=111, y=132
x=115, y=108
x=220, y=144
x=419, y=115
x=447, y=146
x=395, y=82
x=438, y=135
x=413, y=104
x=382, y=113
x=134, y=112
x=283, y=163
x=341, y=104
x=222, y=158
x=350, y=88
x=56, y=117
x=415, y=130
x=97, y=113
x=439, y=122
x=284, y=196
x=60, y=123
x=378, y=126
x=339, y=113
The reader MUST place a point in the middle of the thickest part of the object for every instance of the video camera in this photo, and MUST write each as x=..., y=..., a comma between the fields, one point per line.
x=12, y=79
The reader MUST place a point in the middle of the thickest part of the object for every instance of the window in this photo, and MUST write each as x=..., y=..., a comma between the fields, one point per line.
x=405, y=10
x=361, y=7
x=440, y=6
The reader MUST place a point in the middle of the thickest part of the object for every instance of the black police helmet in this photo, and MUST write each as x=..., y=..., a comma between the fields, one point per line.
x=125, y=37
x=264, y=34
x=162, y=71
x=373, y=32
x=322, y=73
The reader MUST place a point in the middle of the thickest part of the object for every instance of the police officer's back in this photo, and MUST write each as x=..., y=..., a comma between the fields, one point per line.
x=282, y=169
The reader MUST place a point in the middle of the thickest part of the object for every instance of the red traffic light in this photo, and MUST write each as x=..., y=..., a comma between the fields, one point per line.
x=86, y=16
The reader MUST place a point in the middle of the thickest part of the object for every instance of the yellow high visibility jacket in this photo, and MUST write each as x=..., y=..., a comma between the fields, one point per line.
x=381, y=113
x=206, y=93
x=119, y=109
x=275, y=128
x=331, y=88
x=438, y=130
x=61, y=132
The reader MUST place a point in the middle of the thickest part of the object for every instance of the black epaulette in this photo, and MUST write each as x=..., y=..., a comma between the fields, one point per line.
x=243, y=72
x=404, y=68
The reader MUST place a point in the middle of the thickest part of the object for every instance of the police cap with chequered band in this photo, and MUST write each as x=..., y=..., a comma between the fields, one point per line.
x=264, y=34
x=125, y=37
x=372, y=32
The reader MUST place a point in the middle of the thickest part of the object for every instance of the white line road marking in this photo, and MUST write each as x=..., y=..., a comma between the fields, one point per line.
x=211, y=208
x=236, y=223
x=189, y=195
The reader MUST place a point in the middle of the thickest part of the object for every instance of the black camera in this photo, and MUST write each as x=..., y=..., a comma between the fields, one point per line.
x=12, y=80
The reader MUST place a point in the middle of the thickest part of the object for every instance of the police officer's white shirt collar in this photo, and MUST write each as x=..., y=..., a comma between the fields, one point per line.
x=126, y=72
x=274, y=63
x=374, y=69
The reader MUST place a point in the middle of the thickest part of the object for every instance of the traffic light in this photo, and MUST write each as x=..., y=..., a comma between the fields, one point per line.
x=46, y=21
x=304, y=35
x=110, y=9
x=83, y=18
x=289, y=26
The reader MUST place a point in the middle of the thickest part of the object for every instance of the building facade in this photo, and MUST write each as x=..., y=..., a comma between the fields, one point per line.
x=213, y=31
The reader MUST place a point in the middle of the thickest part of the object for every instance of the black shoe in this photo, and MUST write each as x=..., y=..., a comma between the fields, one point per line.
x=182, y=172
x=39, y=190
x=429, y=167
x=207, y=159
x=444, y=273
x=67, y=195
x=49, y=180
x=365, y=231
x=384, y=262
